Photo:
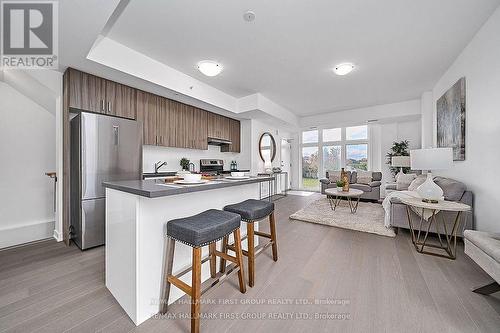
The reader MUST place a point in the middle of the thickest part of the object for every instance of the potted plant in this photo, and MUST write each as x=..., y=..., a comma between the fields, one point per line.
x=184, y=163
x=397, y=149
x=340, y=185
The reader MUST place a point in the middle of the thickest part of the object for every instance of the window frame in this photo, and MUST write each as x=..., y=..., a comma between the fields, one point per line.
x=342, y=143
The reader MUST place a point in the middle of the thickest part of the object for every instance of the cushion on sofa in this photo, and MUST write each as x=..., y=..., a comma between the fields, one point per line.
x=365, y=177
x=354, y=177
x=416, y=183
x=362, y=187
x=403, y=181
x=488, y=242
x=377, y=176
x=334, y=176
x=452, y=190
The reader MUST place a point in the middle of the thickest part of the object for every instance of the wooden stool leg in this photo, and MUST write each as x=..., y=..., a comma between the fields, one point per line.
x=225, y=241
x=272, y=222
x=251, y=254
x=168, y=260
x=211, y=249
x=239, y=258
x=196, y=290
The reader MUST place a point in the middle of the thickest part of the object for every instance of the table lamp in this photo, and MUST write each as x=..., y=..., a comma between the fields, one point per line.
x=431, y=159
x=400, y=162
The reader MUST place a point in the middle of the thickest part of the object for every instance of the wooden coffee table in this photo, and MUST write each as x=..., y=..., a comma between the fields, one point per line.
x=336, y=196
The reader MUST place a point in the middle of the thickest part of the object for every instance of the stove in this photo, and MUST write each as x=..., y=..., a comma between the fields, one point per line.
x=211, y=167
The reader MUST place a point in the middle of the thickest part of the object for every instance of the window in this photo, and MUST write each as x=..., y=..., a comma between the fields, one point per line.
x=310, y=168
x=356, y=157
x=331, y=149
x=332, y=157
x=332, y=134
x=356, y=133
x=310, y=136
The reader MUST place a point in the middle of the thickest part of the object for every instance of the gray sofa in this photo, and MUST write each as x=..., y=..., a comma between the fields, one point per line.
x=371, y=190
x=453, y=191
x=484, y=249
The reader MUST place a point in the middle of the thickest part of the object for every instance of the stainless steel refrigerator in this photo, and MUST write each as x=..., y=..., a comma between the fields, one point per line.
x=103, y=148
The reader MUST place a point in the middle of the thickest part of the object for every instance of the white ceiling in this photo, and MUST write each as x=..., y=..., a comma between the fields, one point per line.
x=400, y=47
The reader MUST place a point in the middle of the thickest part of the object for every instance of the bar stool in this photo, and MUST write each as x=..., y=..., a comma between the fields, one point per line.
x=252, y=211
x=196, y=231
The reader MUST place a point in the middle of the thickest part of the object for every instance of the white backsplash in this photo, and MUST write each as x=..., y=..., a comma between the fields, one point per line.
x=153, y=154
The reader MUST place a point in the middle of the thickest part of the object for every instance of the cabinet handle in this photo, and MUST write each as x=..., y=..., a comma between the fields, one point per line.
x=102, y=105
x=109, y=106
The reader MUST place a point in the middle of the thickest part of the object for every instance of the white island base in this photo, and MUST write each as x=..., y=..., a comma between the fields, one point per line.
x=135, y=240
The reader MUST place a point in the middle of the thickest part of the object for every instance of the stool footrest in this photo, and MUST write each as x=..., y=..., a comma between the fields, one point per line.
x=262, y=234
x=258, y=249
x=219, y=278
x=226, y=256
x=180, y=284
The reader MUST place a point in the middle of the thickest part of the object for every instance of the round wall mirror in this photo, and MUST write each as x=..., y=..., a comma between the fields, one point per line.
x=267, y=147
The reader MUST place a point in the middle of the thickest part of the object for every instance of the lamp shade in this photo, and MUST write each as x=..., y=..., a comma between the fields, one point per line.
x=400, y=161
x=431, y=159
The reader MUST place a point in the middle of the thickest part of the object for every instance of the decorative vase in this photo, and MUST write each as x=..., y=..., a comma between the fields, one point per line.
x=345, y=179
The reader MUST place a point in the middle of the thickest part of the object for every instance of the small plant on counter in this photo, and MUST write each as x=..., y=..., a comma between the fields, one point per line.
x=184, y=163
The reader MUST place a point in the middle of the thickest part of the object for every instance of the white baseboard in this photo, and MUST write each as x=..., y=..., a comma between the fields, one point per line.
x=26, y=233
x=57, y=236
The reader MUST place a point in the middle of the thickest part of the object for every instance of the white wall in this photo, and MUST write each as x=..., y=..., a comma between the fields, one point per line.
x=479, y=62
x=27, y=147
x=396, y=131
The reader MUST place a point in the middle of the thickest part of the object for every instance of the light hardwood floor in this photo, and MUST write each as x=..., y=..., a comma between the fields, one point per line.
x=385, y=286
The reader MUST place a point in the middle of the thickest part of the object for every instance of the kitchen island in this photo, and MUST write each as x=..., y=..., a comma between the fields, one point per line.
x=136, y=214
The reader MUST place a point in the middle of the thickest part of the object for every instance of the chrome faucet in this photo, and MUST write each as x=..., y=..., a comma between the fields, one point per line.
x=158, y=165
x=191, y=167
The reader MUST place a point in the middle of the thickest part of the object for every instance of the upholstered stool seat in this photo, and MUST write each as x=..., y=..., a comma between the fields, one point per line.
x=204, y=228
x=251, y=210
x=196, y=231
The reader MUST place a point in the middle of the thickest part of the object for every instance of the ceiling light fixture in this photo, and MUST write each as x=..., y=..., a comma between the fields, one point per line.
x=210, y=68
x=343, y=69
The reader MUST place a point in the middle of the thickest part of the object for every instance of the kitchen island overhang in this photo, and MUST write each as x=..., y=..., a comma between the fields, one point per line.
x=136, y=215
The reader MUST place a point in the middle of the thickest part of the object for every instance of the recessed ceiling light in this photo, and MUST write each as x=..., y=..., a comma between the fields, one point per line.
x=343, y=69
x=210, y=68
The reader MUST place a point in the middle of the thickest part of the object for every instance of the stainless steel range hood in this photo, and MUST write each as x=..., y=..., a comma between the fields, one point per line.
x=218, y=142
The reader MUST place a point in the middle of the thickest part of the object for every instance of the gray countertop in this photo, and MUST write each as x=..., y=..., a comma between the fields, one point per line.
x=157, y=188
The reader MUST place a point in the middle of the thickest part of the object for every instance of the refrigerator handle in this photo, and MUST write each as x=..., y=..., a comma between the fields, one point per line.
x=115, y=134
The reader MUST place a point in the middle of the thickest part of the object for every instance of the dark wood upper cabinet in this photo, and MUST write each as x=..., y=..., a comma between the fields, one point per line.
x=199, y=129
x=91, y=93
x=235, y=137
x=165, y=122
x=120, y=100
x=218, y=126
x=147, y=112
x=86, y=91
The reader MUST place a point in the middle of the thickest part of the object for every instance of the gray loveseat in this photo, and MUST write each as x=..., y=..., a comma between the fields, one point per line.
x=453, y=191
x=371, y=190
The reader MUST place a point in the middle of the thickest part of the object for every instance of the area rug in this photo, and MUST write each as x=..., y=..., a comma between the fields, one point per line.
x=368, y=218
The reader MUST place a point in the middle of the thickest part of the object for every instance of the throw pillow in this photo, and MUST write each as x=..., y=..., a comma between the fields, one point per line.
x=365, y=177
x=403, y=181
x=417, y=182
x=334, y=176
